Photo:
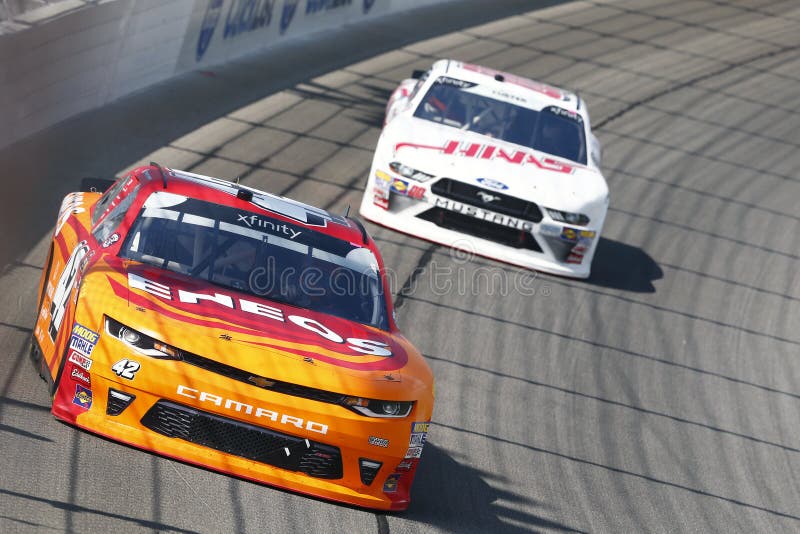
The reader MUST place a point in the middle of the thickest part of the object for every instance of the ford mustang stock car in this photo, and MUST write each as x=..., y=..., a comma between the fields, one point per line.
x=232, y=329
x=490, y=162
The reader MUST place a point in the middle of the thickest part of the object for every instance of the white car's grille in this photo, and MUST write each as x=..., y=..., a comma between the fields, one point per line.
x=488, y=199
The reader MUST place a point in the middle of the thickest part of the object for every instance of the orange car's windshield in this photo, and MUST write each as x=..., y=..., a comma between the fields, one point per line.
x=258, y=255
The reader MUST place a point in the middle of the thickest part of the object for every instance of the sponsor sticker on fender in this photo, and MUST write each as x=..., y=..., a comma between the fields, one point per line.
x=83, y=397
x=418, y=439
x=378, y=442
x=420, y=427
x=83, y=340
x=79, y=375
x=390, y=486
x=405, y=465
x=413, y=452
x=79, y=359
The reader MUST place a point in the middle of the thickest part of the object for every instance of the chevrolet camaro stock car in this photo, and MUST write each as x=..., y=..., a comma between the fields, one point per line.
x=493, y=163
x=232, y=329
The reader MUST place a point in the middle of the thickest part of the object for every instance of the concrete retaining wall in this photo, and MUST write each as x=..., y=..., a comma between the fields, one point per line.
x=93, y=55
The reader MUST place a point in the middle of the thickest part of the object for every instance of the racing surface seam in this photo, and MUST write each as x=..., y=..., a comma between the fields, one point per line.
x=383, y=523
x=713, y=235
x=620, y=350
x=407, y=289
x=710, y=194
x=690, y=82
x=618, y=404
x=619, y=470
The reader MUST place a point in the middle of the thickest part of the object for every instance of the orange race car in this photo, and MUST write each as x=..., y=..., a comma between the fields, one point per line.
x=232, y=329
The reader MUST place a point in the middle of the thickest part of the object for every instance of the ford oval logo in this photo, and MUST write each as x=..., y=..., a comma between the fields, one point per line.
x=492, y=184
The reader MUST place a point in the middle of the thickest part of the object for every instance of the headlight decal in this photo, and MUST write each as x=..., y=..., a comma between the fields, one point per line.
x=568, y=217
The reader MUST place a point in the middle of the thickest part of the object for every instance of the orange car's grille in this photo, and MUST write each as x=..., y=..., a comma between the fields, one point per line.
x=241, y=439
x=263, y=382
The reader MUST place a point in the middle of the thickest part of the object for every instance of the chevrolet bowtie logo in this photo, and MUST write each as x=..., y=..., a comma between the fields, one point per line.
x=261, y=381
x=487, y=197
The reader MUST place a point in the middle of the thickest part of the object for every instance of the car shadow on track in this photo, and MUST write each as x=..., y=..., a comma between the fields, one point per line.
x=620, y=266
x=454, y=497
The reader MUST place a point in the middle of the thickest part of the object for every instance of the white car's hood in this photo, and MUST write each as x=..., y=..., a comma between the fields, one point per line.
x=490, y=163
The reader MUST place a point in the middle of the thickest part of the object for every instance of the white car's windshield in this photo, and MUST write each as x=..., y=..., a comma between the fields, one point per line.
x=468, y=106
x=259, y=255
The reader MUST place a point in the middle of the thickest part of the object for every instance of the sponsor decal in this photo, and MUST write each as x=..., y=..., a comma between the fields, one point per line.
x=80, y=360
x=413, y=452
x=316, y=6
x=390, y=486
x=399, y=186
x=245, y=16
x=72, y=204
x=405, y=465
x=541, y=88
x=254, y=221
x=486, y=215
x=361, y=346
x=549, y=229
x=382, y=179
x=378, y=442
x=573, y=235
x=420, y=427
x=113, y=238
x=79, y=375
x=561, y=112
x=578, y=251
x=126, y=368
x=418, y=439
x=83, y=397
x=83, y=340
x=454, y=82
x=417, y=192
x=289, y=8
x=492, y=184
x=69, y=276
x=569, y=234
x=213, y=12
x=250, y=409
x=492, y=152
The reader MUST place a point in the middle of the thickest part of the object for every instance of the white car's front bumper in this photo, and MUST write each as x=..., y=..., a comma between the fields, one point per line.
x=547, y=245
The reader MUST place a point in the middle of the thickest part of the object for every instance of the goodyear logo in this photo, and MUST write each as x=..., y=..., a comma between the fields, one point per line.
x=83, y=397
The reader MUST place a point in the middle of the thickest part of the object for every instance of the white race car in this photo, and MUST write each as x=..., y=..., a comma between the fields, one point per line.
x=493, y=163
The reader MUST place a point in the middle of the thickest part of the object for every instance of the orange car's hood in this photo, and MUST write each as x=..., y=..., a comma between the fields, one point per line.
x=257, y=335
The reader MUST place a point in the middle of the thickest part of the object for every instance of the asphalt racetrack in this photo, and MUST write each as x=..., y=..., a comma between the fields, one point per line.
x=661, y=395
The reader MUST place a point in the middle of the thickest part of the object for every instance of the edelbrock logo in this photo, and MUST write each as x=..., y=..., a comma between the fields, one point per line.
x=210, y=21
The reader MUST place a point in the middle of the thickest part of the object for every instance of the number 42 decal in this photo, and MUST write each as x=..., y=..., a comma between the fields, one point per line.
x=126, y=368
